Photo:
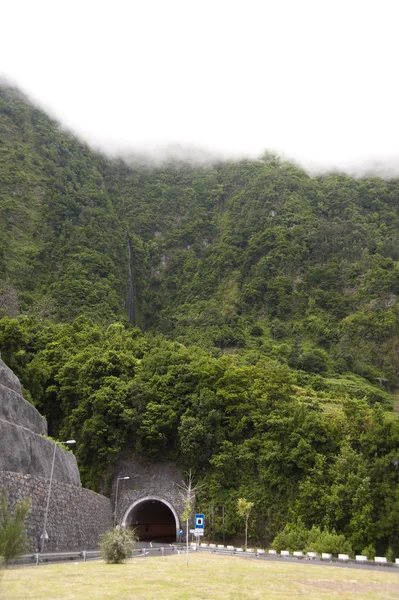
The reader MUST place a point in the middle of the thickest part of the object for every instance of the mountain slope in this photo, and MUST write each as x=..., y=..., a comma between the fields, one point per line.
x=240, y=318
x=216, y=251
x=60, y=237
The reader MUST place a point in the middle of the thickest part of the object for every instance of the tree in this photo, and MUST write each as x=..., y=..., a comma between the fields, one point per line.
x=187, y=491
x=244, y=508
x=12, y=529
x=116, y=545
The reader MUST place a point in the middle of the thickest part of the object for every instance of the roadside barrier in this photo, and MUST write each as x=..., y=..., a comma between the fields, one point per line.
x=85, y=555
x=38, y=558
x=297, y=555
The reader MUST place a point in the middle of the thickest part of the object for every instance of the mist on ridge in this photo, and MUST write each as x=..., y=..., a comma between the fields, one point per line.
x=151, y=154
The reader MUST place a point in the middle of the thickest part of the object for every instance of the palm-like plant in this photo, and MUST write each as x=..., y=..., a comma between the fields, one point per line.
x=12, y=528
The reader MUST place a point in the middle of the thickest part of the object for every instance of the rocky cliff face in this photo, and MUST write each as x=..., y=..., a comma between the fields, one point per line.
x=23, y=449
x=13, y=407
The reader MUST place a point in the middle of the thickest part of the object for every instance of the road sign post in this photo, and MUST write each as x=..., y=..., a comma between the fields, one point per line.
x=199, y=525
x=199, y=521
x=197, y=532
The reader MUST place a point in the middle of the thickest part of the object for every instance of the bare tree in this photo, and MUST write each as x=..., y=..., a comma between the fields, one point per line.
x=187, y=491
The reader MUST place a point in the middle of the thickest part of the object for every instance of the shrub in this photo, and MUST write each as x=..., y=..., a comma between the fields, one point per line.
x=12, y=529
x=297, y=537
x=340, y=365
x=312, y=362
x=390, y=554
x=278, y=329
x=256, y=330
x=292, y=537
x=319, y=383
x=369, y=551
x=313, y=541
x=332, y=542
x=116, y=545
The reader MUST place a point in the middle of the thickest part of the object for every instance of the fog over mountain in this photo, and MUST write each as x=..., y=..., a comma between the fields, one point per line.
x=312, y=81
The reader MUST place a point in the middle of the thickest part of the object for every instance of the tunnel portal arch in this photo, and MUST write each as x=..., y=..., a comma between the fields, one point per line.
x=153, y=518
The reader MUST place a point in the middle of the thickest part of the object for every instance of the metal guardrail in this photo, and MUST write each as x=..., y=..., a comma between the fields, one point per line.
x=261, y=554
x=38, y=558
x=47, y=557
x=85, y=555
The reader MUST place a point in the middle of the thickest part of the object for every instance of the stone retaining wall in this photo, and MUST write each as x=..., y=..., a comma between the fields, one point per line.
x=147, y=481
x=76, y=516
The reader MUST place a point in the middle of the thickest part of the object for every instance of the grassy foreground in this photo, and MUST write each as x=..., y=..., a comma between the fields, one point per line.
x=206, y=576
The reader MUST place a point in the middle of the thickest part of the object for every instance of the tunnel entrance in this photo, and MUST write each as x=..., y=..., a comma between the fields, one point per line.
x=152, y=519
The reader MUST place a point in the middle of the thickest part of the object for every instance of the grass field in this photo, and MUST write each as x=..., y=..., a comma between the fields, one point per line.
x=207, y=576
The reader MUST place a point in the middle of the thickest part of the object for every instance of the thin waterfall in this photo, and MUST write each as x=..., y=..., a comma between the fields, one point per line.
x=130, y=305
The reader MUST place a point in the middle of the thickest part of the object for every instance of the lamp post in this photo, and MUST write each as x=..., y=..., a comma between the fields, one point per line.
x=44, y=534
x=118, y=479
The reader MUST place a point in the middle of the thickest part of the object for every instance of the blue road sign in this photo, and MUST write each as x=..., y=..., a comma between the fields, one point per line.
x=199, y=521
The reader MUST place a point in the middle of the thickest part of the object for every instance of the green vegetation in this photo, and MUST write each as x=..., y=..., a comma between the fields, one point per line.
x=116, y=545
x=244, y=510
x=12, y=529
x=239, y=318
x=207, y=576
x=296, y=537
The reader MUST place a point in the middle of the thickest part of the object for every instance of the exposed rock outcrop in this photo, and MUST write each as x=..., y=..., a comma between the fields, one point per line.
x=9, y=379
x=15, y=409
x=23, y=449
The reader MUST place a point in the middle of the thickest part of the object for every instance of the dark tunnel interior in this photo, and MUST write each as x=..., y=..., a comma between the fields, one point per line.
x=153, y=520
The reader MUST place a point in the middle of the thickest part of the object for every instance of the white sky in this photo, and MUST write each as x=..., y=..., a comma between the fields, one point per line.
x=314, y=79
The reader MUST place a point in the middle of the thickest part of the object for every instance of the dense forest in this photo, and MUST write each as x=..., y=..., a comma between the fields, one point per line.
x=239, y=317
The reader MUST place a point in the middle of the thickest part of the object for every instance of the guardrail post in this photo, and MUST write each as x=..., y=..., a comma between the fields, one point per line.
x=84, y=554
x=37, y=559
x=162, y=550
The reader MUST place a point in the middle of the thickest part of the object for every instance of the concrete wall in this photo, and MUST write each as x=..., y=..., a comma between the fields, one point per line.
x=76, y=516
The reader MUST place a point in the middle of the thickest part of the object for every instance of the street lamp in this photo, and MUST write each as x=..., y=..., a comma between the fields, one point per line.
x=44, y=534
x=118, y=479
